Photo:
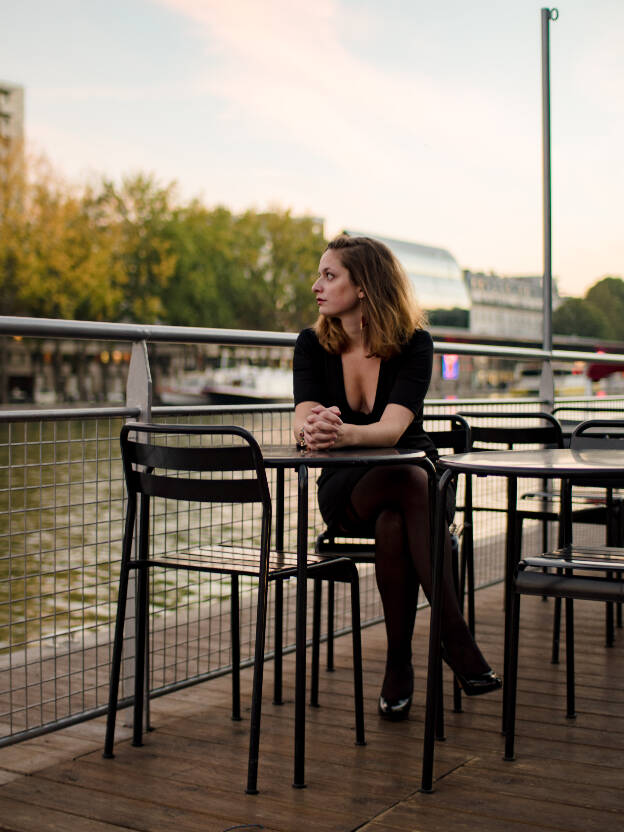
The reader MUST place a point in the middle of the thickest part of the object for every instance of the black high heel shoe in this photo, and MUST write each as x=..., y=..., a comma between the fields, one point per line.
x=483, y=683
x=475, y=685
x=396, y=710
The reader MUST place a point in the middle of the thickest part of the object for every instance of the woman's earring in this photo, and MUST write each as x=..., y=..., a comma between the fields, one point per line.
x=363, y=321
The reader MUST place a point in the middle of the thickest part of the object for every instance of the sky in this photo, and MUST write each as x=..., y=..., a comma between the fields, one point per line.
x=403, y=118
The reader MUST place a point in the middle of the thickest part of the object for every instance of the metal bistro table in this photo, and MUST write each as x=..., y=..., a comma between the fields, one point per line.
x=282, y=457
x=560, y=463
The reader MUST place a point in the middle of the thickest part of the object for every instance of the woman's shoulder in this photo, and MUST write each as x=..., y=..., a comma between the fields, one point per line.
x=308, y=345
x=420, y=339
x=307, y=334
x=308, y=339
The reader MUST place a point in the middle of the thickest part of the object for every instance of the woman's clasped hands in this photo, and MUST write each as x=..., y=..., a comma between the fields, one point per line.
x=323, y=428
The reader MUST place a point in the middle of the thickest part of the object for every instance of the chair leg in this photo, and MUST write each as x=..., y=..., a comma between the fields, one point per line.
x=147, y=712
x=235, y=637
x=316, y=642
x=556, y=631
x=140, y=648
x=619, y=532
x=556, y=639
x=569, y=608
x=113, y=696
x=440, y=731
x=330, y=625
x=511, y=680
x=459, y=590
x=467, y=555
x=611, y=540
x=278, y=660
x=358, y=687
x=256, y=695
x=609, y=621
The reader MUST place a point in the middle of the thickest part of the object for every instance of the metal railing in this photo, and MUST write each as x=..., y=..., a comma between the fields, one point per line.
x=61, y=517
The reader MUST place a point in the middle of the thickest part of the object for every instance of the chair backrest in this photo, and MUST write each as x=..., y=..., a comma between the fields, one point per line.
x=175, y=462
x=162, y=470
x=513, y=428
x=453, y=437
x=599, y=434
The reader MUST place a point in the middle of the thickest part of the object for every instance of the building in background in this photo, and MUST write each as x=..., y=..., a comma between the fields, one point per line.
x=436, y=277
x=11, y=116
x=507, y=306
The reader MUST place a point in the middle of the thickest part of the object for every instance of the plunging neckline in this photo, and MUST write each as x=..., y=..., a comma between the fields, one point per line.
x=344, y=389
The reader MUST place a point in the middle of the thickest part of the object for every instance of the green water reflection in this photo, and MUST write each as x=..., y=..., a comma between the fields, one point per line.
x=61, y=522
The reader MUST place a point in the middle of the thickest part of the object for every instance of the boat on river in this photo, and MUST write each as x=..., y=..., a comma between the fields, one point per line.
x=238, y=384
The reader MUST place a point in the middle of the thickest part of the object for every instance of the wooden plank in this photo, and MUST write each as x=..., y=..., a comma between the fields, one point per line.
x=191, y=771
x=475, y=799
x=20, y=816
x=92, y=805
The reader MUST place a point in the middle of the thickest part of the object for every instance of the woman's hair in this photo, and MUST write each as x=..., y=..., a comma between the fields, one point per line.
x=390, y=313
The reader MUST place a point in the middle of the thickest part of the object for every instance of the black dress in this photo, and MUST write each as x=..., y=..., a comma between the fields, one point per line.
x=403, y=379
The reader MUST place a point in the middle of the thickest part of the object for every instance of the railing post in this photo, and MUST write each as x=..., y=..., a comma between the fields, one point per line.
x=139, y=382
x=138, y=394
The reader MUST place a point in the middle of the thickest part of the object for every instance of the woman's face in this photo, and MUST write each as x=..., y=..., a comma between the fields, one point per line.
x=336, y=294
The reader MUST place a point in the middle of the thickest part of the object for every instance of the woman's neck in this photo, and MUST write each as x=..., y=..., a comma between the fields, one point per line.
x=352, y=327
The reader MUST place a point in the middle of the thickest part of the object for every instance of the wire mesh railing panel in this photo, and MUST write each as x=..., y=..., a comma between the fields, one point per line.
x=61, y=515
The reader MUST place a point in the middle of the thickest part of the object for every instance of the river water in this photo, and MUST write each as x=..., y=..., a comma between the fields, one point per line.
x=62, y=508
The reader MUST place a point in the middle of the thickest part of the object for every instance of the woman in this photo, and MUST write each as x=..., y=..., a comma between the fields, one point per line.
x=360, y=378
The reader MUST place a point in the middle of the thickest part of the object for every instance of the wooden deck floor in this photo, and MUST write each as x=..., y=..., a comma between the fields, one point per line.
x=190, y=775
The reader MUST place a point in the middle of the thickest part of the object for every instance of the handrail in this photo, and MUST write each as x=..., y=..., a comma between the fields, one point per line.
x=66, y=413
x=96, y=330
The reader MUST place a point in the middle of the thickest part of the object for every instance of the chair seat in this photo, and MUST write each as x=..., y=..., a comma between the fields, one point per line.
x=583, y=588
x=329, y=543
x=531, y=580
x=597, y=558
x=243, y=560
x=592, y=514
x=586, y=498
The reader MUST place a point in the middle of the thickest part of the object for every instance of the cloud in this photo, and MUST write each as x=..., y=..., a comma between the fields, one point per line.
x=283, y=65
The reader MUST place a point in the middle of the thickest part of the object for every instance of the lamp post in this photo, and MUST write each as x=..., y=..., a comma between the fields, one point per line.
x=547, y=385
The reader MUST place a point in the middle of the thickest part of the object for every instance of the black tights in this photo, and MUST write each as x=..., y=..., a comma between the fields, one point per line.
x=395, y=499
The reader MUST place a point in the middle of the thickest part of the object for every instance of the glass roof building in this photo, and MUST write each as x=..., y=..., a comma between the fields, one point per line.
x=435, y=274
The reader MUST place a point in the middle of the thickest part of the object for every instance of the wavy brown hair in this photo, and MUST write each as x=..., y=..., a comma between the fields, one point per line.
x=389, y=310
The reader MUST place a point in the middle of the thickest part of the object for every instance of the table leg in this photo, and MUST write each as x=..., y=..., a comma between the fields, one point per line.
x=300, y=635
x=279, y=594
x=512, y=556
x=435, y=632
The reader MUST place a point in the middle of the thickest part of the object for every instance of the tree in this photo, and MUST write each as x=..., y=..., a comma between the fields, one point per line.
x=136, y=215
x=53, y=263
x=293, y=246
x=12, y=188
x=581, y=317
x=128, y=252
x=608, y=296
x=252, y=271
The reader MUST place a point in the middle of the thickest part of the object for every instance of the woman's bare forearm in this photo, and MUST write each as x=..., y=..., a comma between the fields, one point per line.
x=322, y=428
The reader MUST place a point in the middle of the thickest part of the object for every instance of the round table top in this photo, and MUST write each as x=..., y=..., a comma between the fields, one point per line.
x=554, y=462
x=277, y=456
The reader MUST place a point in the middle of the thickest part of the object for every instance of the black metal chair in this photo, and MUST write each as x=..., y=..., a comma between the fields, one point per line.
x=592, y=504
x=192, y=464
x=581, y=572
x=572, y=414
x=453, y=438
x=592, y=508
x=496, y=429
